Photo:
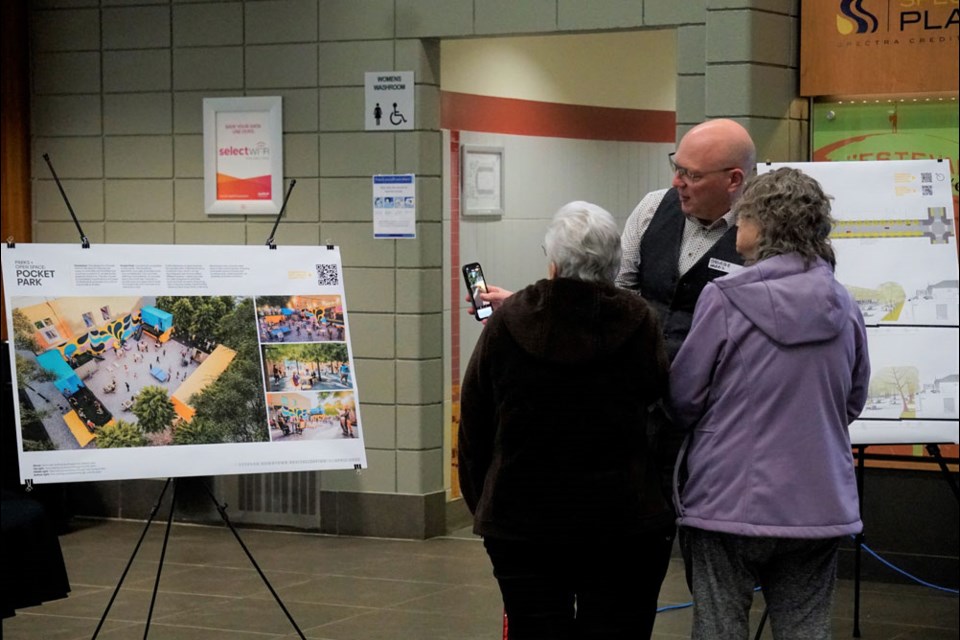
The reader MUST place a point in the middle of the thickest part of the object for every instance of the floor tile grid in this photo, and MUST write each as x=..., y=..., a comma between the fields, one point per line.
x=340, y=588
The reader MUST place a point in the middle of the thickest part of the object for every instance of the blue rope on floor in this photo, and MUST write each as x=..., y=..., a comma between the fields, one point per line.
x=904, y=573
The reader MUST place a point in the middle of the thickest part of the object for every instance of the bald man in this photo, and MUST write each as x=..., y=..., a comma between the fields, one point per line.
x=674, y=243
x=679, y=239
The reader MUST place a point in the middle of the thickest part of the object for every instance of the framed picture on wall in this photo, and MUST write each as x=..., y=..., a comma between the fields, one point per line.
x=243, y=155
x=481, y=171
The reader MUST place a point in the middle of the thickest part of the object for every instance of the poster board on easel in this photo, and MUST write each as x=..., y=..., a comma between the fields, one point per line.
x=896, y=251
x=144, y=361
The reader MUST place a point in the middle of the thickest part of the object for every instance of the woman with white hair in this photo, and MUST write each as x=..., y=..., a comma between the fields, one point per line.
x=554, y=460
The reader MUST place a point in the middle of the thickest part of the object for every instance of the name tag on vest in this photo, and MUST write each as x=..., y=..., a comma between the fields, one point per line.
x=722, y=265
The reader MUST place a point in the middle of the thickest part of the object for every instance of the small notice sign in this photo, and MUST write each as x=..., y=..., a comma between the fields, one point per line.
x=394, y=206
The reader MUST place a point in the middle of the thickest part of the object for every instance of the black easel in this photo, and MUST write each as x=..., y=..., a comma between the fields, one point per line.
x=222, y=510
x=84, y=241
x=933, y=448
x=858, y=551
x=276, y=222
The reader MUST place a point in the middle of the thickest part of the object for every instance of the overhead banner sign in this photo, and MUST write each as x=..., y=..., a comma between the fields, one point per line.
x=389, y=100
x=878, y=47
x=145, y=361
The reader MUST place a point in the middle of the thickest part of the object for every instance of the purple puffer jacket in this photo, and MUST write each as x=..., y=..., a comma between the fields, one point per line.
x=774, y=369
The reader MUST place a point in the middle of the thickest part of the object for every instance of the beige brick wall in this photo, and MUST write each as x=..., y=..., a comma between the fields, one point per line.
x=117, y=97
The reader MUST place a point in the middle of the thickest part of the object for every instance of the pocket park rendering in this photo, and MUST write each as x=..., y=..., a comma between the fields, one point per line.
x=99, y=371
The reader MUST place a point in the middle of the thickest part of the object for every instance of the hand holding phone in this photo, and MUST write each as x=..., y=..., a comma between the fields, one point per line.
x=476, y=284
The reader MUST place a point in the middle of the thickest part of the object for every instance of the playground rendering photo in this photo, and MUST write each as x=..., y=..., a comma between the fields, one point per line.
x=300, y=318
x=306, y=367
x=310, y=416
x=137, y=371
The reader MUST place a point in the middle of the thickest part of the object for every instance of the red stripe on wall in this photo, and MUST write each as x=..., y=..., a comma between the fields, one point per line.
x=468, y=112
x=455, y=306
x=455, y=261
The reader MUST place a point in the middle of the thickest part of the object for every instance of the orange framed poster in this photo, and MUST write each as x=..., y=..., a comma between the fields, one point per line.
x=243, y=155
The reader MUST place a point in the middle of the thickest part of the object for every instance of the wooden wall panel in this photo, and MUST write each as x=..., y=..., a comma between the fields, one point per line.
x=14, y=129
x=879, y=47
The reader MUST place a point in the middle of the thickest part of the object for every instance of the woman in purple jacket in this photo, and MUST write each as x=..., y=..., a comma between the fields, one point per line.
x=773, y=370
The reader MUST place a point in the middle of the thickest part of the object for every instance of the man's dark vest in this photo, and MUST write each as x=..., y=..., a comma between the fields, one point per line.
x=675, y=297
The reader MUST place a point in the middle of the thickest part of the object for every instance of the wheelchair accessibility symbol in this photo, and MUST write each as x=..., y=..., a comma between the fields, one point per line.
x=396, y=118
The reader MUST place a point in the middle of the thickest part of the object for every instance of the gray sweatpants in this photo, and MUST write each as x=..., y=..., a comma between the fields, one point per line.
x=798, y=577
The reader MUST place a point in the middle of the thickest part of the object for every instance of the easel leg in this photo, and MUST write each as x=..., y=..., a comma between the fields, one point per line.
x=934, y=451
x=861, y=450
x=222, y=510
x=143, y=534
x=163, y=553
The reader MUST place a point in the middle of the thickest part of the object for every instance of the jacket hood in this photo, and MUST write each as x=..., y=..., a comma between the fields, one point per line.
x=787, y=307
x=564, y=320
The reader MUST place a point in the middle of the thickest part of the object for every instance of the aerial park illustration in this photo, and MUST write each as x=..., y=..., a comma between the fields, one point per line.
x=112, y=372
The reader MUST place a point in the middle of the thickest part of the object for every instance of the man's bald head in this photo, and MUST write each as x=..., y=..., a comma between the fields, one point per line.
x=724, y=141
x=714, y=159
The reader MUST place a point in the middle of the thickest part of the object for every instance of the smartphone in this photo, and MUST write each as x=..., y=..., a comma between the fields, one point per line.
x=473, y=276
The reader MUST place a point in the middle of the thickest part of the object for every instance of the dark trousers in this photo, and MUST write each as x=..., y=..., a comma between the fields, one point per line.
x=591, y=588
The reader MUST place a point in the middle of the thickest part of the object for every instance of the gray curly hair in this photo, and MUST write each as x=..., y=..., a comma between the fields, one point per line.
x=792, y=213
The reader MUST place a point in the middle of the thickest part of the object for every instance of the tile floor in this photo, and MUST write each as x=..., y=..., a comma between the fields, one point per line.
x=339, y=588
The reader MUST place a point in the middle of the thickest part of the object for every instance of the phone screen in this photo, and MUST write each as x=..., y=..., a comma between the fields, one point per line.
x=473, y=275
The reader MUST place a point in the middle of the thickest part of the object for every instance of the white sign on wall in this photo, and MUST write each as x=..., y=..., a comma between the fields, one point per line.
x=394, y=206
x=243, y=155
x=389, y=100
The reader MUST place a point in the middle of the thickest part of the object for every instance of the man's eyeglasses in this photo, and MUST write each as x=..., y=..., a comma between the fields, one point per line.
x=689, y=176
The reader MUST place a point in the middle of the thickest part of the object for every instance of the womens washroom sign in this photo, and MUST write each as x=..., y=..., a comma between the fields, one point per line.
x=243, y=155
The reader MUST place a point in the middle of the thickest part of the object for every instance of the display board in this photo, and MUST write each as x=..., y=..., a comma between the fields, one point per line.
x=142, y=361
x=896, y=250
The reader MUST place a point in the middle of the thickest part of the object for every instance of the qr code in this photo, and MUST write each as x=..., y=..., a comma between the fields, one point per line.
x=926, y=176
x=926, y=190
x=327, y=275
